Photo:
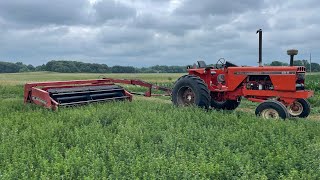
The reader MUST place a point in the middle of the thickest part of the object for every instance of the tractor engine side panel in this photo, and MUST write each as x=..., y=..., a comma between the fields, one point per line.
x=284, y=82
x=232, y=81
x=282, y=78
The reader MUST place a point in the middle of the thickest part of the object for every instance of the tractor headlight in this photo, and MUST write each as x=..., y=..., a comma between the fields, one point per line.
x=221, y=78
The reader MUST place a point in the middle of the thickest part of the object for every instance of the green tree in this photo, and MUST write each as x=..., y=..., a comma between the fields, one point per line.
x=315, y=67
x=278, y=63
x=7, y=67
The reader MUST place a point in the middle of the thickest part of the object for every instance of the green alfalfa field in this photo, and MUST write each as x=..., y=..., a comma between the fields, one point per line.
x=149, y=138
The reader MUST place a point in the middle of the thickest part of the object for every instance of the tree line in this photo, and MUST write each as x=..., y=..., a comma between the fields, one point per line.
x=315, y=67
x=81, y=67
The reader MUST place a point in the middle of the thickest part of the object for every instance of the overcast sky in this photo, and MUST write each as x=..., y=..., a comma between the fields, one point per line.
x=150, y=32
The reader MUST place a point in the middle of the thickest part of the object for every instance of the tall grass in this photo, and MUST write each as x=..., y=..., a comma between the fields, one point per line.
x=150, y=138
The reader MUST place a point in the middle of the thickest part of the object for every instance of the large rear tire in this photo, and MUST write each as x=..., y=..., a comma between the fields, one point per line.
x=300, y=108
x=191, y=90
x=272, y=109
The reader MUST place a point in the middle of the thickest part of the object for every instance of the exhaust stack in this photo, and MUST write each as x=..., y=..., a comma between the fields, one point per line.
x=260, y=46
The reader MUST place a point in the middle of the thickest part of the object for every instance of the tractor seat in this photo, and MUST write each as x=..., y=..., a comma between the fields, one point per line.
x=202, y=64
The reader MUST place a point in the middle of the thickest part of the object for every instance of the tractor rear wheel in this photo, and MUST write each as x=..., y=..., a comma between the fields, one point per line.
x=272, y=109
x=191, y=90
x=299, y=108
x=225, y=105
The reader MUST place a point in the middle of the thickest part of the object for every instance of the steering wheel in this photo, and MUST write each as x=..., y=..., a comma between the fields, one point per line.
x=220, y=63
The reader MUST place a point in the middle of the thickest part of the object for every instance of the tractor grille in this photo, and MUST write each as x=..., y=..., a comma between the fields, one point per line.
x=301, y=69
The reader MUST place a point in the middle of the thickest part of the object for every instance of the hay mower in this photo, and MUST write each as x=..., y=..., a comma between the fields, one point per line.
x=70, y=93
x=279, y=90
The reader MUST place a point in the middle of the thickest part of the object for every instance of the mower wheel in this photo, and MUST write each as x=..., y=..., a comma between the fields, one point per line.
x=272, y=109
x=299, y=108
x=191, y=90
x=225, y=105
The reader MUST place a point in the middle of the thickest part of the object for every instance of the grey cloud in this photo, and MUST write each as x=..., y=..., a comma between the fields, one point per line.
x=35, y=13
x=39, y=12
x=40, y=44
x=110, y=9
x=217, y=7
x=120, y=35
x=173, y=24
x=143, y=33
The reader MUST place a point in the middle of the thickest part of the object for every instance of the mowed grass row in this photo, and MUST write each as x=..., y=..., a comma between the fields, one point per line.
x=149, y=138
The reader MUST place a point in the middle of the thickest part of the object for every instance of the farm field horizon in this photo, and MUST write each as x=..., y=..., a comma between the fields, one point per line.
x=151, y=138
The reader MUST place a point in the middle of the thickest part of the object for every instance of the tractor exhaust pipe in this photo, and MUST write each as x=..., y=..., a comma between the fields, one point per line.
x=292, y=53
x=260, y=46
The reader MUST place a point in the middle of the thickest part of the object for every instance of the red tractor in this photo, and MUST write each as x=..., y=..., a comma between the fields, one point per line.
x=279, y=90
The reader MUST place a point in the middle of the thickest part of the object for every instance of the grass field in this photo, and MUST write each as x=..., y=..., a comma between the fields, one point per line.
x=150, y=138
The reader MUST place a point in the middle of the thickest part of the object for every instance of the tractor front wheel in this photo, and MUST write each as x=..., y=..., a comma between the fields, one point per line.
x=190, y=90
x=272, y=110
x=299, y=108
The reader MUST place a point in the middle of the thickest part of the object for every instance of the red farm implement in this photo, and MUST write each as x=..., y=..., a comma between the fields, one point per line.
x=70, y=93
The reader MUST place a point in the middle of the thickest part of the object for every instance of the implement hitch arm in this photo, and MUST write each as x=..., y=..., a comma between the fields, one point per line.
x=138, y=82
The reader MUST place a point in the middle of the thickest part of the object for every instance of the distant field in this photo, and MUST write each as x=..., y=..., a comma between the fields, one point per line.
x=150, y=138
x=21, y=78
